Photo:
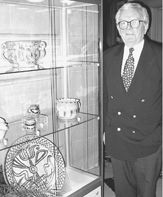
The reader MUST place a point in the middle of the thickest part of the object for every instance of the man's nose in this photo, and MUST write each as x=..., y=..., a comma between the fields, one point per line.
x=129, y=26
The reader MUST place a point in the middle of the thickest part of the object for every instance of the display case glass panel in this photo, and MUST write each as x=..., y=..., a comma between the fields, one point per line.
x=50, y=102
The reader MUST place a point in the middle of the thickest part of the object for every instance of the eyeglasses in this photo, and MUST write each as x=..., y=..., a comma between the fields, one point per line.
x=134, y=24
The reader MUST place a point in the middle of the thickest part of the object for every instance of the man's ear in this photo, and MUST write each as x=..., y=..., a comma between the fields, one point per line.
x=146, y=27
x=118, y=29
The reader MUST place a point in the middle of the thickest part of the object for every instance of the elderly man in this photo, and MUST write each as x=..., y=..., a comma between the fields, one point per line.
x=132, y=105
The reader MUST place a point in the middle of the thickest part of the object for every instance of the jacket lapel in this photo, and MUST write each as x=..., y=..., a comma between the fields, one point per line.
x=117, y=61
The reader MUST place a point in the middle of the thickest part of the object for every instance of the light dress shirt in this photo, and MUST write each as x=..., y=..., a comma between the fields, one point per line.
x=136, y=54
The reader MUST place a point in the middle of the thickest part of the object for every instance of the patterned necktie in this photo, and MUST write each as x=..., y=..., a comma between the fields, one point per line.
x=128, y=71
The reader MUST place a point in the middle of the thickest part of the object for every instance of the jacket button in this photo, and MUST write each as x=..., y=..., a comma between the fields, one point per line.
x=118, y=129
x=119, y=113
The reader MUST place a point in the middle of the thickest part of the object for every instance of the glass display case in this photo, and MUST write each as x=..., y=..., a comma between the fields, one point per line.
x=50, y=103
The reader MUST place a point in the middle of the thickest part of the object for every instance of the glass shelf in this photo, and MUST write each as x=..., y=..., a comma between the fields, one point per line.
x=60, y=125
x=69, y=65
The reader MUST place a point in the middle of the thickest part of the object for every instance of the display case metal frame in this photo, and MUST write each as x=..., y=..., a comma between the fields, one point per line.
x=95, y=182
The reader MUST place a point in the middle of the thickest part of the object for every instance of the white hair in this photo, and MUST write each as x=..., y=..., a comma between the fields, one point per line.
x=136, y=6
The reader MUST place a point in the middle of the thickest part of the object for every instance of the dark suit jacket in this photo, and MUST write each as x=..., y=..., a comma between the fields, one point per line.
x=132, y=120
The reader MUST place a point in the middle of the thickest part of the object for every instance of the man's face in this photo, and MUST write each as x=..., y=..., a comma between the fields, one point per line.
x=131, y=36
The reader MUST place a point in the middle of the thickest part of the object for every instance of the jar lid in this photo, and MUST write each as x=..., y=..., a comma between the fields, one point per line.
x=30, y=121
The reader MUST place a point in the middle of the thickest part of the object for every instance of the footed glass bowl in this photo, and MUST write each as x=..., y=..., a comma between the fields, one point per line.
x=24, y=54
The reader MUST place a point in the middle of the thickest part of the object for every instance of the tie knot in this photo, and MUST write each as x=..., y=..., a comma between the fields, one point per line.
x=131, y=50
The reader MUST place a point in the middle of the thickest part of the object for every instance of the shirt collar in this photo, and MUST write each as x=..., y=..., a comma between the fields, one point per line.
x=137, y=46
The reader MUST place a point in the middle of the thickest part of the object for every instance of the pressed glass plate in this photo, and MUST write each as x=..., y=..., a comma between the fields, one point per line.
x=34, y=164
